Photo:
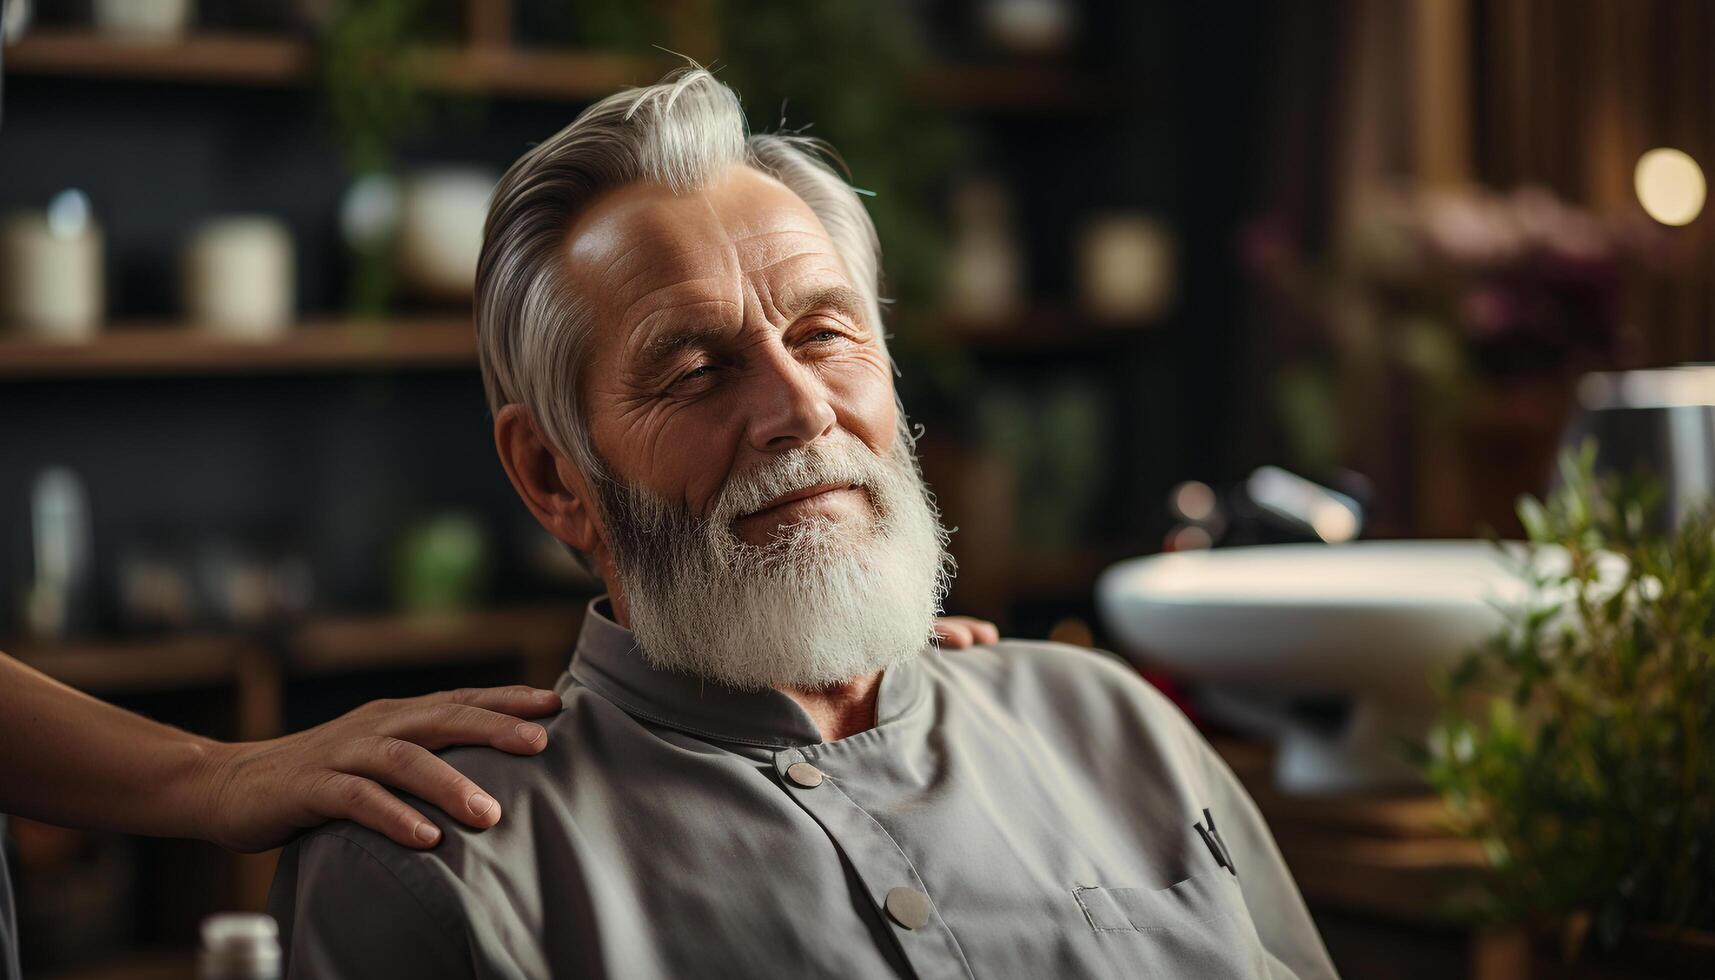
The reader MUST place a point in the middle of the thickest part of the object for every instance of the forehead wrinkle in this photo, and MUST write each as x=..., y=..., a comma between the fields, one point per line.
x=625, y=315
x=648, y=264
x=778, y=232
x=665, y=319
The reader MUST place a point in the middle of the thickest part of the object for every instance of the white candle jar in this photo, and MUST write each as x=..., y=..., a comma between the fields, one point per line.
x=51, y=277
x=240, y=277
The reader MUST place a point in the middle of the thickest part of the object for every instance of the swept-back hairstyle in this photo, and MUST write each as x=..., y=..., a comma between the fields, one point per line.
x=532, y=326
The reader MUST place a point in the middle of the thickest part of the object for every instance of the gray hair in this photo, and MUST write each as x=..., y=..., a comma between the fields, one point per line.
x=532, y=327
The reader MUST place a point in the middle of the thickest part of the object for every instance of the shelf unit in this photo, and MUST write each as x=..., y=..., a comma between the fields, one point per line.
x=152, y=965
x=278, y=61
x=425, y=343
x=257, y=669
x=486, y=67
x=140, y=666
x=165, y=348
x=543, y=635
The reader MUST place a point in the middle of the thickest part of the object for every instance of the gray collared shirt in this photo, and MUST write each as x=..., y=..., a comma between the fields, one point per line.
x=1019, y=810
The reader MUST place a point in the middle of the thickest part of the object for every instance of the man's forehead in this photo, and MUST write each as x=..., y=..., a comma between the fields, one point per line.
x=741, y=220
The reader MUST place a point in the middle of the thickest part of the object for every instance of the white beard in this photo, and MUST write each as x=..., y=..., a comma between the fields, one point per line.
x=823, y=602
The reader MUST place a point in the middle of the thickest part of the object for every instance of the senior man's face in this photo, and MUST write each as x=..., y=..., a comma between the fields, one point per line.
x=730, y=334
x=763, y=519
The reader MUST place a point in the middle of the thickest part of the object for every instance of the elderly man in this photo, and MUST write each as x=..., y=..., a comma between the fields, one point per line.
x=763, y=768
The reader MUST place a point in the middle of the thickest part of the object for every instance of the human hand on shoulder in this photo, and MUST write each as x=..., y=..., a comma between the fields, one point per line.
x=256, y=795
x=960, y=632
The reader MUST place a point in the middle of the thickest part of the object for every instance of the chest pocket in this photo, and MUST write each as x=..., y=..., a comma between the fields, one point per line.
x=1196, y=928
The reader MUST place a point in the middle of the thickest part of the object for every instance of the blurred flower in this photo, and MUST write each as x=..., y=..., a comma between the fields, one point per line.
x=1521, y=282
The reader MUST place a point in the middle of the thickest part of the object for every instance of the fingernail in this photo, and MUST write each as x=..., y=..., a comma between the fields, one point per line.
x=480, y=804
x=530, y=733
x=428, y=833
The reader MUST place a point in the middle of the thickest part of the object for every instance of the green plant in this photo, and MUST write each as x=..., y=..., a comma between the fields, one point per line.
x=1588, y=770
x=374, y=101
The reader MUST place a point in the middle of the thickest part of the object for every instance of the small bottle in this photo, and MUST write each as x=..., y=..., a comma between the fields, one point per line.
x=239, y=946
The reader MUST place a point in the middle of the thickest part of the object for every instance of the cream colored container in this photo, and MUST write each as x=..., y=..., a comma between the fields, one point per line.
x=51, y=278
x=240, y=278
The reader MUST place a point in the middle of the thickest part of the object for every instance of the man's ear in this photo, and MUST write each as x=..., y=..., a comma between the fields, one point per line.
x=554, y=490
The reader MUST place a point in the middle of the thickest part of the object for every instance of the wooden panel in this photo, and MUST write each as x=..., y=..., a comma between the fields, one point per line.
x=1380, y=854
x=369, y=643
x=138, y=348
x=127, y=667
x=233, y=59
x=237, y=59
x=490, y=66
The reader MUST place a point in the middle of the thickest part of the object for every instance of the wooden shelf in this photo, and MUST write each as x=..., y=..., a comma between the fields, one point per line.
x=1388, y=854
x=381, y=642
x=142, y=965
x=139, y=348
x=165, y=349
x=258, y=60
x=261, y=60
x=231, y=59
x=142, y=665
x=543, y=636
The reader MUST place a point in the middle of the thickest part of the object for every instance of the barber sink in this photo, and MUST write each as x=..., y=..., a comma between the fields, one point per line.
x=1277, y=634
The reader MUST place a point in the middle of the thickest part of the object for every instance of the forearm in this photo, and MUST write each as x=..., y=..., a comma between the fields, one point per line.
x=73, y=760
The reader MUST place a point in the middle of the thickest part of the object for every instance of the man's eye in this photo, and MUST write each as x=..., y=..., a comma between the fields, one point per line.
x=695, y=374
x=825, y=336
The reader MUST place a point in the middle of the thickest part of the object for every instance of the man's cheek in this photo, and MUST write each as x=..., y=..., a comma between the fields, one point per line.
x=862, y=388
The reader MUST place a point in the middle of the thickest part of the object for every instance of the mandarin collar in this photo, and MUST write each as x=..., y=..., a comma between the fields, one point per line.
x=609, y=662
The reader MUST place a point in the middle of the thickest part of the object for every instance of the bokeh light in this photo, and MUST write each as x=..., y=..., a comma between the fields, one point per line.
x=1670, y=186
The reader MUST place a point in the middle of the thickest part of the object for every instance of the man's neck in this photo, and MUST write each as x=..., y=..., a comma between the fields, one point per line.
x=842, y=709
x=839, y=710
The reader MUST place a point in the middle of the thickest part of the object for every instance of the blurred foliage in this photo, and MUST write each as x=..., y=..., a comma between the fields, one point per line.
x=623, y=25
x=841, y=70
x=373, y=102
x=1587, y=769
x=372, y=98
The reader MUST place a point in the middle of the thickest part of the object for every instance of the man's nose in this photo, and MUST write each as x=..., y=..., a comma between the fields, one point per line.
x=789, y=404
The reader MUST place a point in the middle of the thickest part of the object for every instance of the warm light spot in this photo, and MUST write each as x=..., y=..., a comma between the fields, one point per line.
x=1190, y=538
x=1074, y=631
x=1194, y=501
x=1670, y=186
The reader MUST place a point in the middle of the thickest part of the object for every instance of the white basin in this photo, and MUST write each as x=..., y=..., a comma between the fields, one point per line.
x=1368, y=620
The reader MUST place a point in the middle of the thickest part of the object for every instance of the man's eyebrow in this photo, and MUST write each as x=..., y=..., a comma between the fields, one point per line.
x=663, y=346
x=843, y=298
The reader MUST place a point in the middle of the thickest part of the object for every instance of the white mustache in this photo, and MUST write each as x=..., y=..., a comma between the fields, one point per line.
x=849, y=462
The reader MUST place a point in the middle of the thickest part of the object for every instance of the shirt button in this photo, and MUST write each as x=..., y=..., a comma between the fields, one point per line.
x=804, y=775
x=908, y=907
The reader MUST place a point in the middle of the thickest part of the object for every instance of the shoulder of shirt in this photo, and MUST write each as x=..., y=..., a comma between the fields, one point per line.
x=512, y=779
x=1045, y=660
x=1065, y=676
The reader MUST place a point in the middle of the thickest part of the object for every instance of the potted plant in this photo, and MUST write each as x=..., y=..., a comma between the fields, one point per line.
x=1588, y=772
